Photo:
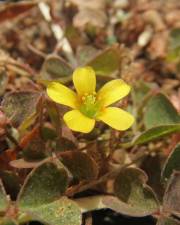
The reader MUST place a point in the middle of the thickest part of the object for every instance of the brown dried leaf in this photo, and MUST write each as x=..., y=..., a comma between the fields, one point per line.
x=87, y=16
x=10, y=11
x=89, y=13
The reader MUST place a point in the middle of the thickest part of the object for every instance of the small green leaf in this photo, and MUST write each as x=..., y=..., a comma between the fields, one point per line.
x=3, y=80
x=80, y=165
x=168, y=221
x=55, y=68
x=173, y=55
x=139, y=91
x=3, y=198
x=160, y=111
x=61, y=212
x=43, y=185
x=107, y=61
x=172, y=163
x=172, y=197
x=175, y=38
x=174, y=46
x=20, y=105
x=160, y=119
x=85, y=53
x=137, y=198
x=155, y=133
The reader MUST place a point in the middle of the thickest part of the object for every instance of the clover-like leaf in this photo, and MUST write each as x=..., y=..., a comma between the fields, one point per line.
x=20, y=105
x=139, y=91
x=107, y=61
x=171, y=199
x=172, y=163
x=44, y=184
x=85, y=53
x=160, y=111
x=61, y=212
x=135, y=198
x=80, y=165
x=55, y=68
x=3, y=198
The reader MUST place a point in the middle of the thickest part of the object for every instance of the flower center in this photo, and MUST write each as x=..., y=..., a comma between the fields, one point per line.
x=89, y=106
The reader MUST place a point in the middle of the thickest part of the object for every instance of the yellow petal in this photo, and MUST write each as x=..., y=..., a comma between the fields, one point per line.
x=116, y=118
x=84, y=80
x=61, y=94
x=113, y=91
x=76, y=121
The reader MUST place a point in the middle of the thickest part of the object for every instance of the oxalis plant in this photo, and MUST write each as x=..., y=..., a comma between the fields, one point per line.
x=75, y=148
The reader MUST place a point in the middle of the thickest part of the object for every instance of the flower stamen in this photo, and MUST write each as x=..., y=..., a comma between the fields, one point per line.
x=89, y=105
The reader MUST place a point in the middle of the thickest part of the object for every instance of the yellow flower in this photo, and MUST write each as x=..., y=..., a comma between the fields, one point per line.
x=89, y=105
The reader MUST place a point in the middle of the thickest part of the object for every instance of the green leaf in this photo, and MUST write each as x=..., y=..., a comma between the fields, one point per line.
x=174, y=46
x=61, y=212
x=172, y=197
x=174, y=55
x=80, y=165
x=4, y=202
x=160, y=111
x=160, y=119
x=107, y=61
x=168, y=221
x=136, y=198
x=139, y=91
x=20, y=105
x=3, y=80
x=155, y=133
x=172, y=163
x=85, y=53
x=175, y=38
x=43, y=185
x=55, y=68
